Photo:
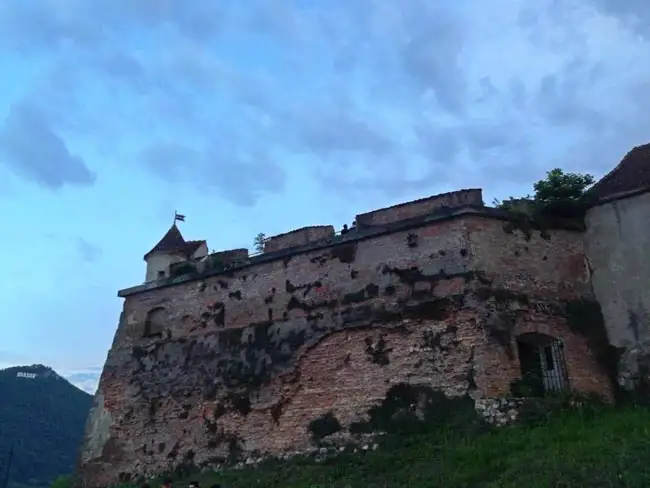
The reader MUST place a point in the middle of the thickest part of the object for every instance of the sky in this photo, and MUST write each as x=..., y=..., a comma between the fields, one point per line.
x=269, y=115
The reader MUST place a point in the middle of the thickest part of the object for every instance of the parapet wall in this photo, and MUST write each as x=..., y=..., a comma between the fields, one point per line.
x=299, y=237
x=221, y=260
x=417, y=208
x=326, y=234
x=232, y=256
x=250, y=360
x=384, y=216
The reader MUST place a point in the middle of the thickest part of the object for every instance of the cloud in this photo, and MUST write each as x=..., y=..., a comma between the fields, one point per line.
x=240, y=175
x=31, y=149
x=89, y=253
x=86, y=380
x=395, y=98
x=634, y=14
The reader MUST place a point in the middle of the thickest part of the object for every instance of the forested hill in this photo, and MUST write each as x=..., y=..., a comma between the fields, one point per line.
x=42, y=415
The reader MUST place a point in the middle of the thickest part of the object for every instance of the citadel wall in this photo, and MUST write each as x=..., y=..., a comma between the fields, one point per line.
x=242, y=361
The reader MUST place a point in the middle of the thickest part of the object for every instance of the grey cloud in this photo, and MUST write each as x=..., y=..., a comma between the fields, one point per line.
x=171, y=161
x=321, y=126
x=84, y=380
x=557, y=24
x=634, y=14
x=123, y=66
x=27, y=25
x=390, y=183
x=626, y=128
x=418, y=48
x=279, y=19
x=440, y=144
x=196, y=19
x=31, y=149
x=241, y=176
x=46, y=25
x=89, y=252
x=477, y=151
x=333, y=130
x=563, y=98
x=509, y=129
x=246, y=177
x=431, y=56
x=559, y=122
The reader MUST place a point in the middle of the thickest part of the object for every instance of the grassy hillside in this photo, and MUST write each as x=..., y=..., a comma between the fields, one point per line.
x=600, y=447
x=43, y=418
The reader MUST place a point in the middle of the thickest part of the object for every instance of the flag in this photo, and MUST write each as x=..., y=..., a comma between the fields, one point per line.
x=179, y=217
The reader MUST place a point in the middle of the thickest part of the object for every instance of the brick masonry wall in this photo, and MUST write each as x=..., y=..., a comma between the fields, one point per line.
x=246, y=360
x=549, y=270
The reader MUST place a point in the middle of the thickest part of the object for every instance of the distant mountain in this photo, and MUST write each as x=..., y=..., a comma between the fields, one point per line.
x=42, y=416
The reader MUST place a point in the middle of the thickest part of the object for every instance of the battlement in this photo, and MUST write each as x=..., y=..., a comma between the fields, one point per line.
x=423, y=206
x=219, y=260
x=230, y=257
x=173, y=256
x=299, y=237
x=227, y=262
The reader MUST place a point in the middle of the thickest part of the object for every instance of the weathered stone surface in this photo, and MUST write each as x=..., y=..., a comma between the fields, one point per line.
x=248, y=359
x=499, y=411
x=618, y=246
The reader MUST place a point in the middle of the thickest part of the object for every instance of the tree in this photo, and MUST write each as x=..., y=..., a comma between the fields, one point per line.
x=561, y=186
x=560, y=194
x=258, y=243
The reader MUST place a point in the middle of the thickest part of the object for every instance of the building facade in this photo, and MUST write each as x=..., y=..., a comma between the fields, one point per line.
x=230, y=354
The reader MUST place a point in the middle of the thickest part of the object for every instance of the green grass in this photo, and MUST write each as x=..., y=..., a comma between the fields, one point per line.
x=607, y=448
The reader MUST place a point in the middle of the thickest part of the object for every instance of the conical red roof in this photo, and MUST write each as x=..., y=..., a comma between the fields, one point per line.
x=173, y=242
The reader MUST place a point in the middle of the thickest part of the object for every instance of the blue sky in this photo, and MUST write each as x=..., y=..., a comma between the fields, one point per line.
x=268, y=115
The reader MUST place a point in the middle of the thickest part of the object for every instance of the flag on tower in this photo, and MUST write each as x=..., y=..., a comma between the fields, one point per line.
x=179, y=217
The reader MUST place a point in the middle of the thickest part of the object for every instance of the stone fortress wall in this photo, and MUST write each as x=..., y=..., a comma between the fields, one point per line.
x=242, y=356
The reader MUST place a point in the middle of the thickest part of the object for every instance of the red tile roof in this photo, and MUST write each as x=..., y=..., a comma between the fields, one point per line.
x=173, y=242
x=632, y=173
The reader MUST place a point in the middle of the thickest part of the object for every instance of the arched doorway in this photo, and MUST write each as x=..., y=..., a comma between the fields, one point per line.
x=542, y=362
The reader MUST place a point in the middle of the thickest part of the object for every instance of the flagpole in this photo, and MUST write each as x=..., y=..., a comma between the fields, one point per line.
x=5, y=484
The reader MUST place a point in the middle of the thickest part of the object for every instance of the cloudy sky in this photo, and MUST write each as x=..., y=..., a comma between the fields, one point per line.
x=268, y=115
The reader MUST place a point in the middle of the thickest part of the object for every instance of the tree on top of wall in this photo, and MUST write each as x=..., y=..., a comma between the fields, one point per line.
x=258, y=243
x=561, y=186
x=560, y=194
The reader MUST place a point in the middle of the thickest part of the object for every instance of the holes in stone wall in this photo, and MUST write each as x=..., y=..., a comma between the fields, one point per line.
x=412, y=240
